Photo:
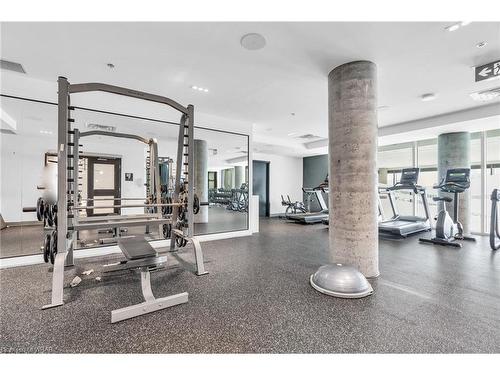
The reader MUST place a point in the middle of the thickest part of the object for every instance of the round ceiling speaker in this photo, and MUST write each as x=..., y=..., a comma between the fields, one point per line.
x=253, y=41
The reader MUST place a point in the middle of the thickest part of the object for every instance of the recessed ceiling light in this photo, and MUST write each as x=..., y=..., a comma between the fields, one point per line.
x=292, y=134
x=481, y=44
x=457, y=25
x=45, y=132
x=428, y=97
x=252, y=41
x=453, y=27
x=110, y=66
x=199, y=88
x=383, y=107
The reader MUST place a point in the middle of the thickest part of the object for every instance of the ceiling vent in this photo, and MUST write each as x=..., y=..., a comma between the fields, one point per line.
x=486, y=95
x=105, y=128
x=12, y=66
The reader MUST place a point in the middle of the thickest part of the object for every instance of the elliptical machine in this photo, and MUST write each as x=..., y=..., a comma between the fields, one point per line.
x=457, y=181
x=494, y=226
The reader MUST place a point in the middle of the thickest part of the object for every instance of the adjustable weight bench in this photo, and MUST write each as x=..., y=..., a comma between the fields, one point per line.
x=141, y=255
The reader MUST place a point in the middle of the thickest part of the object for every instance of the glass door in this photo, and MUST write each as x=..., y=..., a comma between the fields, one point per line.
x=103, y=185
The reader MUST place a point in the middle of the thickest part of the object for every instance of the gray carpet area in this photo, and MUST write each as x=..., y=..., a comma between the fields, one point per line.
x=257, y=299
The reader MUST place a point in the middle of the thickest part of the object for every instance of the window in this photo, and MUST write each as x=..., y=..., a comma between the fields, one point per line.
x=427, y=162
x=212, y=180
x=492, y=170
x=391, y=160
x=475, y=183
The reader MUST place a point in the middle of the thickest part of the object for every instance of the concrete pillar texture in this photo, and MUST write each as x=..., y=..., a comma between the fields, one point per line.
x=352, y=125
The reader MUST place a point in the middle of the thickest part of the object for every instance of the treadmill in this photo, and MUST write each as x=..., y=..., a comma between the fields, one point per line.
x=312, y=217
x=400, y=225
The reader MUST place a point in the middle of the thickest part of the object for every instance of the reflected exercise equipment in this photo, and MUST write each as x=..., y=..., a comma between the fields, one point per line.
x=449, y=230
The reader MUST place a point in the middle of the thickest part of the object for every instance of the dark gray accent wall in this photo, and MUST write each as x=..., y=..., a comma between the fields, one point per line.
x=315, y=169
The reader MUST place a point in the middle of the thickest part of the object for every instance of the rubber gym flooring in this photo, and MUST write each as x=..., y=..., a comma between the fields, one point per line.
x=257, y=299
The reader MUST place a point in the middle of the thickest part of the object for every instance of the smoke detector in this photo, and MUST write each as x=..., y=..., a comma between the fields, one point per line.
x=486, y=95
x=12, y=66
x=253, y=41
x=105, y=128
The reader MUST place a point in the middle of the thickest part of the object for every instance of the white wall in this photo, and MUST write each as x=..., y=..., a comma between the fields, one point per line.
x=285, y=177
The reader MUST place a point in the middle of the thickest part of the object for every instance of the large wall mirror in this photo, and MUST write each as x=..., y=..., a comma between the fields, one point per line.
x=111, y=170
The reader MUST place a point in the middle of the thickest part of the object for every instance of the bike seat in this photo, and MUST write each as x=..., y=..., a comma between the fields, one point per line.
x=442, y=199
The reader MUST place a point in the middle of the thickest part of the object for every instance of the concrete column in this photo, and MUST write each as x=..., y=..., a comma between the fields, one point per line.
x=454, y=152
x=239, y=176
x=201, y=178
x=352, y=125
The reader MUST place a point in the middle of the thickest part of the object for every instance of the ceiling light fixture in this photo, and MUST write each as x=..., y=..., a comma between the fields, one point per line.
x=481, y=44
x=383, y=107
x=453, y=27
x=457, y=25
x=199, y=88
x=110, y=66
x=428, y=97
x=252, y=41
x=486, y=95
x=292, y=134
x=45, y=132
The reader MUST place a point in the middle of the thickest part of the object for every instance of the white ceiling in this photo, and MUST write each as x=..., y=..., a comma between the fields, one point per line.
x=262, y=88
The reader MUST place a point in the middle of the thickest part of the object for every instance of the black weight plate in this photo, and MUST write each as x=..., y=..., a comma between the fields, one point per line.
x=48, y=214
x=46, y=248
x=39, y=209
x=196, y=204
x=53, y=246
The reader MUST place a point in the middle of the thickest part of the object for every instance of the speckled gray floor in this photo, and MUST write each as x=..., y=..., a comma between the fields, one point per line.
x=257, y=299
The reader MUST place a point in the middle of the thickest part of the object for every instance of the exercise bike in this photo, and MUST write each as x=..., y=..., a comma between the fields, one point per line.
x=447, y=230
x=292, y=207
x=494, y=226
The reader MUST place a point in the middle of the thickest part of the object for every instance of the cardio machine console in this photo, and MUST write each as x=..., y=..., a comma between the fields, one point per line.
x=458, y=175
x=409, y=176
